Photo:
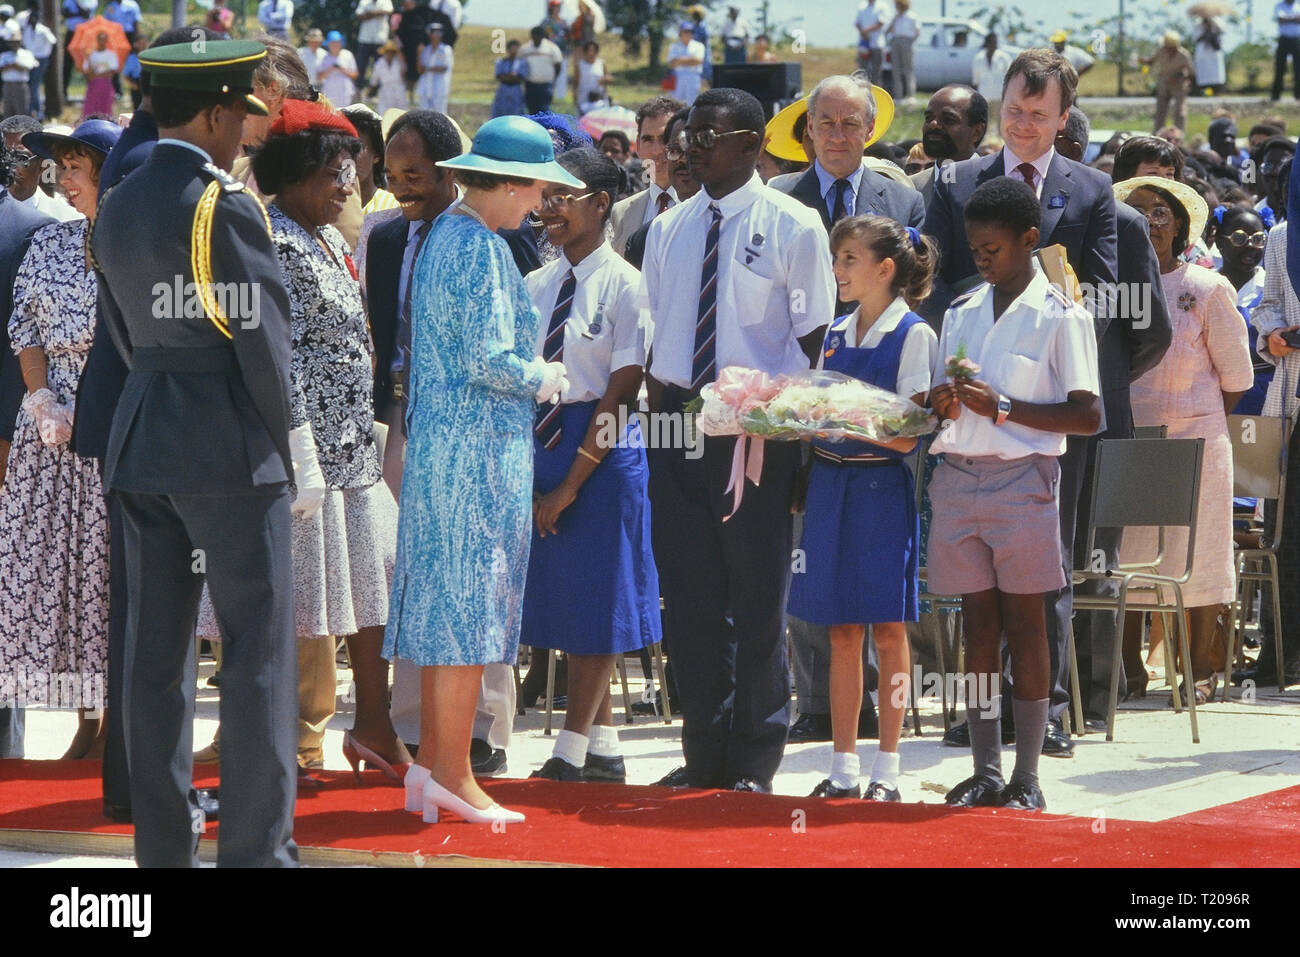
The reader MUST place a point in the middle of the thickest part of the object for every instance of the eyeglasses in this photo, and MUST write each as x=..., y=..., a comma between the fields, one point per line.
x=1158, y=215
x=25, y=158
x=673, y=150
x=345, y=175
x=704, y=139
x=562, y=201
x=1239, y=238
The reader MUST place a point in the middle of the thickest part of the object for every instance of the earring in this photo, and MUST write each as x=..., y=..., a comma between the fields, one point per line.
x=510, y=192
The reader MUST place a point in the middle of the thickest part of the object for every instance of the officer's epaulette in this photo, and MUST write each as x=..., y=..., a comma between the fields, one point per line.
x=201, y=240
x=965, y=296
x=228, y=182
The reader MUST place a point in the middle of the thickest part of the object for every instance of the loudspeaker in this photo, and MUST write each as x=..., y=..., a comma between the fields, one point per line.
x=770, y=83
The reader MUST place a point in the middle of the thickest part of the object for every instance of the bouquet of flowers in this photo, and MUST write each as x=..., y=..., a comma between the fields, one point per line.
x=827, y=405
x=959, y=367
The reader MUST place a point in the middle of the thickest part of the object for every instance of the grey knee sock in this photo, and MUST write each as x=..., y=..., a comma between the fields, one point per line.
x=1031, y=725
x=986, y=737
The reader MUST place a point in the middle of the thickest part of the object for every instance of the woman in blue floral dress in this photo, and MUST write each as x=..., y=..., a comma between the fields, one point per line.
x=465, y=522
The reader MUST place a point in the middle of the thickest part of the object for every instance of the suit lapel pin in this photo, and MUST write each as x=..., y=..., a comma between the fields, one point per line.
x=1057, y=201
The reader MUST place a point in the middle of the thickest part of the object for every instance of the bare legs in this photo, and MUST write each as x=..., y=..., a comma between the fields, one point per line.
x=89, y=740
x=589, y=698
x=372, y=726
x=846, y=682
x=448, y=694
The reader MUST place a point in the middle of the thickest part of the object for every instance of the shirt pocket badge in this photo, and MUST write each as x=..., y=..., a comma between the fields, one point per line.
x=751, y=287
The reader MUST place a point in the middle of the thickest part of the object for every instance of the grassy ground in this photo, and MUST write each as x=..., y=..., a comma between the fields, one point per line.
x=473, y=85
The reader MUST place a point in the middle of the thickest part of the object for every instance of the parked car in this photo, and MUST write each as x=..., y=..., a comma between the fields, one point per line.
x=943, y=52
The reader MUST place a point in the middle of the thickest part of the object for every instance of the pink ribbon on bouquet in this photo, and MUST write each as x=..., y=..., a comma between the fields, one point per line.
x=746, y=463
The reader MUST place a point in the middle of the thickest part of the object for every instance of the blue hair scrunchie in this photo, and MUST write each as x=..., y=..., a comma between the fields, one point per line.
x=914, y=235
x=1218, y=213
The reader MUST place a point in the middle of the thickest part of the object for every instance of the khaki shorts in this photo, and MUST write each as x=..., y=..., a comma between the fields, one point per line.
x=996, y=525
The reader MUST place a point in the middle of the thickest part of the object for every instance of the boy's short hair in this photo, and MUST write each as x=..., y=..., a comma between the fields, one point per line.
x=1004, y=202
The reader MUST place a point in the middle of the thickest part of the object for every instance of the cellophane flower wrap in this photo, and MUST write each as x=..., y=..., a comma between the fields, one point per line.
x=813, y=404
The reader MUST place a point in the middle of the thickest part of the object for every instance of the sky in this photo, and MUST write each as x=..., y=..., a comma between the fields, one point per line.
x=831, y=25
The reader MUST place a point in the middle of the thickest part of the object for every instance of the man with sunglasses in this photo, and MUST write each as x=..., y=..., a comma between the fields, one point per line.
x=738, y=275
x=26, y=185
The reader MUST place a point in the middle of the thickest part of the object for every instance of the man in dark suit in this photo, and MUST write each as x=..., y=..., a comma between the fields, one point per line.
x=17, y=223
x=841, y=120
x=956, y=119
x=200, y=458
x=1078, y=213
x=1136, y=338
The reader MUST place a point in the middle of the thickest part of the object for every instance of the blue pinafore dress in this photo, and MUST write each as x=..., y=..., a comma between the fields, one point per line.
x=593, y=588
x=860, y=532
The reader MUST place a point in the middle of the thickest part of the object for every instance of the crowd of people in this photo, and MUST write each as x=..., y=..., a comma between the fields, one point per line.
x=279, y=371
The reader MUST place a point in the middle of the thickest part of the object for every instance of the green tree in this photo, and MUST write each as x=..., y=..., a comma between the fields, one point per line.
x=644, y=22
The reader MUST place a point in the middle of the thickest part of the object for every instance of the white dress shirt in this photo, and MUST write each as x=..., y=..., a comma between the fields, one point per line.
x=774, y=281
x=826, y=183
x=374, y=30
x=275, y=15
x=987, y=77
x=1039, y=350
x=607, y=328
x=869, y=16
x=919, y=348
x=1010, y=161
x=451, y=8
x=652, y=205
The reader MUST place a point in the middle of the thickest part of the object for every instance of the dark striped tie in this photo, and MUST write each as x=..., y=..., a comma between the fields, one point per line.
x=548, y=429
x=839, y=210
x=704, y=364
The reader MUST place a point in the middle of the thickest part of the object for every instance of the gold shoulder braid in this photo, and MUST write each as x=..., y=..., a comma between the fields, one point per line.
x=201, y=244
x=90, y=234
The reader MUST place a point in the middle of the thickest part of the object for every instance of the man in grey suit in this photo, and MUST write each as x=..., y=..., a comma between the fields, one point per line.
x=1078, y=213
x=956, y=119
x=200, y=458
x=841, y=119
x=631, y=214
x=17, y=223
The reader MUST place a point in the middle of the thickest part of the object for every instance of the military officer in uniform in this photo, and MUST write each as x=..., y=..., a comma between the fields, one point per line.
x=200, y=459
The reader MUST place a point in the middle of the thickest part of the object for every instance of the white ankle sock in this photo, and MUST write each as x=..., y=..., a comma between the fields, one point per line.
x=845, y=768
x=572, y=748
x=604, y=742
x=885, y=768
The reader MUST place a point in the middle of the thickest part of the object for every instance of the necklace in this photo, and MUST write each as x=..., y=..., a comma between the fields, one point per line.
x=470, y=212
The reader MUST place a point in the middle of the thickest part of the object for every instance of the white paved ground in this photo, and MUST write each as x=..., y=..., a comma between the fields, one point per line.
x=1152, y=771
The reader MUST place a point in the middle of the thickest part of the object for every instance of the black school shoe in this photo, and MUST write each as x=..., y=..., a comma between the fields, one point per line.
x=1056, y=743
x=604, y=769
x=958, y=736
x=676, y=778
x=485, y=760
x=1018, y=796
x=876, y=791
x=557, y=769
x=828, y=790
x=977, y=791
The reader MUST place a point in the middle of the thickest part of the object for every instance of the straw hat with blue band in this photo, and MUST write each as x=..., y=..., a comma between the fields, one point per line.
x=514, y=146
x=1194, y=207
x=780, y=128
x=219, y=66
x=99, y=135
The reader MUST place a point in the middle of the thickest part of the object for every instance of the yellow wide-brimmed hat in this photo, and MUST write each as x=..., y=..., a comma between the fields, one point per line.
x=783, y=144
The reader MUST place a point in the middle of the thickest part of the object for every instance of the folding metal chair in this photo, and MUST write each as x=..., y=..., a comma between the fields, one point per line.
x=1259, y=463
x=941, y=604
x=1127, y=470
x=621, y=670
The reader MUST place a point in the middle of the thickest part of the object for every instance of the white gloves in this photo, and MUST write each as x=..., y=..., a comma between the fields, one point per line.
x=53, y=421
x=306, y=472
x=555, y=385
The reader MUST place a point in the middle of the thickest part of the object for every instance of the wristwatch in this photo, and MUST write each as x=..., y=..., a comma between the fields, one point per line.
x=1004, y=410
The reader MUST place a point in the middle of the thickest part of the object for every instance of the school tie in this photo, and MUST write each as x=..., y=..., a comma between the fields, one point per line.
x=547, y=428
x=404, y=315
x=703, y=366
x=839, y=211
x=1027, y=171
x=663, y=202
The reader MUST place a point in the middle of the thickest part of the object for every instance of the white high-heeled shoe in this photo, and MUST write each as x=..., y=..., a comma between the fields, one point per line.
x=436, y=796
x=416, y=775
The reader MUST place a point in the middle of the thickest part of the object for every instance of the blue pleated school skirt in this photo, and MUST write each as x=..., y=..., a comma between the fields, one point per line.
x=857, y=562
x=592, y=587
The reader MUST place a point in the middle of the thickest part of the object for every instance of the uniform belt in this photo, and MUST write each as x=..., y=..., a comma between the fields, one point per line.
x=867, y=459
x=399, y=390
x=214, y=359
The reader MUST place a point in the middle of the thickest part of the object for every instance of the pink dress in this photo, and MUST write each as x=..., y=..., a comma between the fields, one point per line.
x=1209, y=355
x=100, y=97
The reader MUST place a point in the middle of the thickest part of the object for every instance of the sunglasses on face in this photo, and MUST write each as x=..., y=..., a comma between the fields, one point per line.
x=1158, y=215
x=563, y=201
x=1239, y=238
x=25, y=158
x=345, y=175
x=703, y=139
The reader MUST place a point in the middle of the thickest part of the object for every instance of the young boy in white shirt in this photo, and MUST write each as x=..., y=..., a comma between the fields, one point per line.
x=995, y=538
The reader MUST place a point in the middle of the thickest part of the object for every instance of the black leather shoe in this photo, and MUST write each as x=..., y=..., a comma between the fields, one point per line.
x=209, y=802
x=676, y=778
x=828, y=790
x=118, y=813
x=598, y=768
x=868, y=724
x=811, y=727
x=958, y=736
x=752, y=784
x=1094, y=724
x=557, y=769
x=485, y=760
x=1056, y=743
x=1022, y=797
x=876, y=791
x=977, y=791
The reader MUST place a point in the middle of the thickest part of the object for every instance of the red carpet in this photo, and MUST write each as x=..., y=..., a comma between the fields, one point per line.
x=610, y=825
